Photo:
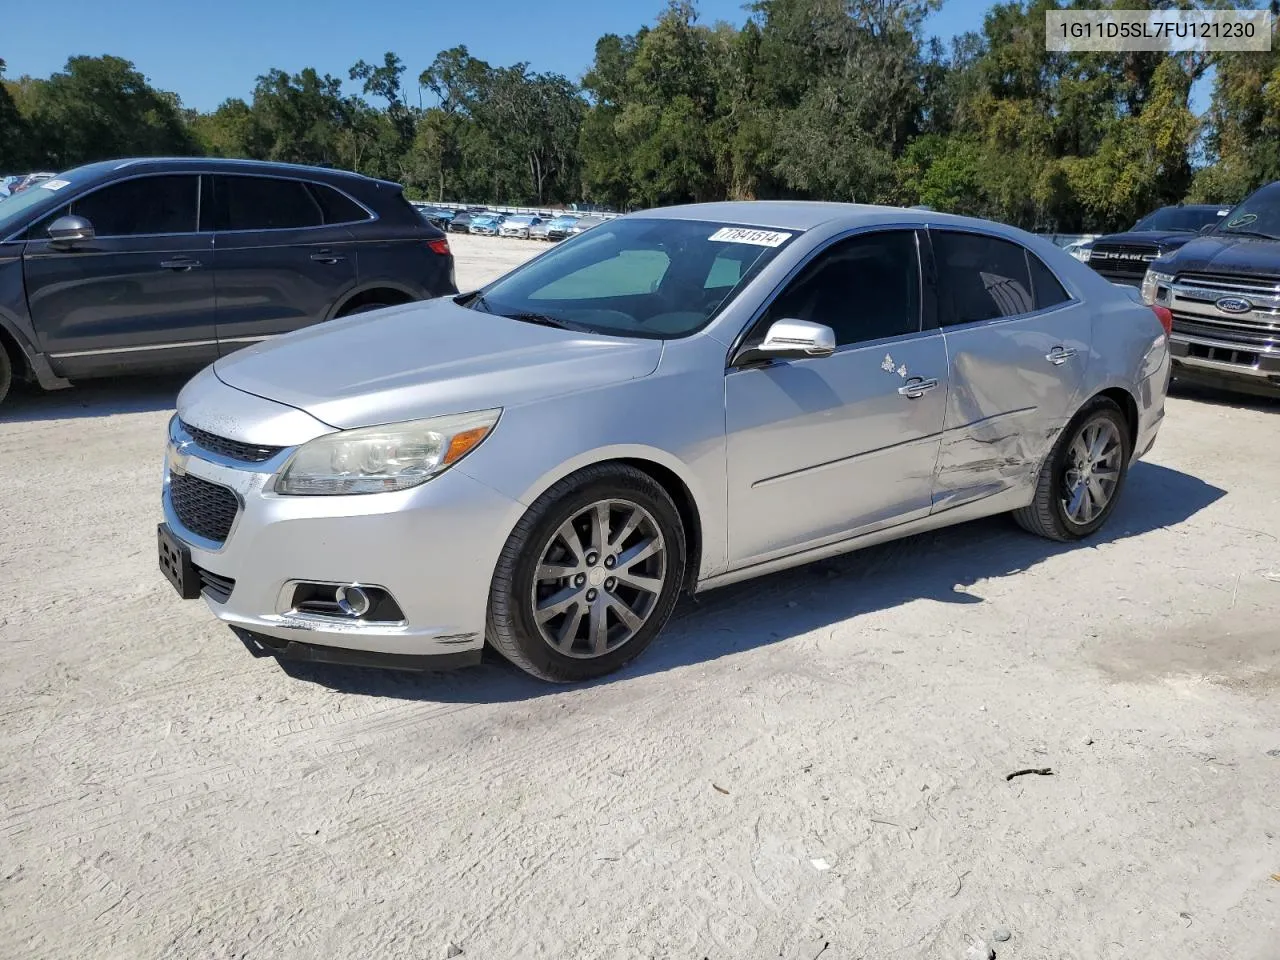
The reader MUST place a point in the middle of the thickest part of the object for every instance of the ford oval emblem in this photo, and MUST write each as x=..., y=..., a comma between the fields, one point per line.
x=1234, y=305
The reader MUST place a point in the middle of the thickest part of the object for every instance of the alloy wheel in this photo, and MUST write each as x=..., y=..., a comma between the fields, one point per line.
x=598, y=578
x=1092, y=470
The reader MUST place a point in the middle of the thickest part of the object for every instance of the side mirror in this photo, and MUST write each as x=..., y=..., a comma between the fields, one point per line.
x=69, y=230
x=792, y=340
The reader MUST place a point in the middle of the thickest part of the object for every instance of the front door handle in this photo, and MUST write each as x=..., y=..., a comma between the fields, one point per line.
x=326, y=256
x=916, y=387
x=181, y=264
x=1059, y=355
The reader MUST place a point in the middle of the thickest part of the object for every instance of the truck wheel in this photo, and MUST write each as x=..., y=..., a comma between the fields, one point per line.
x=1081, y=479
x=6, y=372
x=589, y=576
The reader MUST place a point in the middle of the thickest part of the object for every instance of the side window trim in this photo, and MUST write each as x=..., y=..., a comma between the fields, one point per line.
x=1071, y=300
x=306, y=185
x=113, y=183
x=927, y=301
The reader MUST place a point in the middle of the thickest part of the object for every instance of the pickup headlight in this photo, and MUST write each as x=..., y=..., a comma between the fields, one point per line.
x=1155, y=287
x=380, y=459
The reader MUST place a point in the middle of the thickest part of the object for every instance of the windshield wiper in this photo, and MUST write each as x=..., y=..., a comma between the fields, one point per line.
x=478, y=300
x=542, y=320
x=1248, y=233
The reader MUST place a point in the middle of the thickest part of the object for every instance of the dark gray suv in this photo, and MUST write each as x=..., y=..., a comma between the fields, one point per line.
x=166, y=264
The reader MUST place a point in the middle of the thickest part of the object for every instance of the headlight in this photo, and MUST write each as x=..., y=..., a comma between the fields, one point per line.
x=395, y=456
x=1155, y=286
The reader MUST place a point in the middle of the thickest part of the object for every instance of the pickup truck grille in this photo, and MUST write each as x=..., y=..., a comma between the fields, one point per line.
x=1122, y=263
x=206, y=509
x=1244, y=310
x=232, y=449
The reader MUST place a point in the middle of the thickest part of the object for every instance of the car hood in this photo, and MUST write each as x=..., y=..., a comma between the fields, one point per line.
x=1221, y=253
x=429, y=359
x=1164, y=239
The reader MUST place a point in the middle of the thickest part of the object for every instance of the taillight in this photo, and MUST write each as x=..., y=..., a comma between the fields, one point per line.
x=439, y=245
x=1165, y=316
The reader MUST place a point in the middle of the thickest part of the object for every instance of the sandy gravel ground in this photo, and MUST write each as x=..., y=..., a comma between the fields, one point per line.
x=817, y=758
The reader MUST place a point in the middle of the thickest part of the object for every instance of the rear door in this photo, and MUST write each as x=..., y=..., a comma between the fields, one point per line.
x=821, y=449
x=283, y=263
x=1018, y=346
x=140, y=294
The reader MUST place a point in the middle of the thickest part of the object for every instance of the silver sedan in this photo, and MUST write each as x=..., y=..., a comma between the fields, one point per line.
x=672, y=401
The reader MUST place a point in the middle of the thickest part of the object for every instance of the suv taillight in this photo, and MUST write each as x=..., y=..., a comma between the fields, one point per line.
x=439, y=245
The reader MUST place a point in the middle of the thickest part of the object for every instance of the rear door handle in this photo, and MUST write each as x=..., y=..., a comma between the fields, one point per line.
x=916, y=387
x=182, y=263
x=1059, y=355
x=326, y=256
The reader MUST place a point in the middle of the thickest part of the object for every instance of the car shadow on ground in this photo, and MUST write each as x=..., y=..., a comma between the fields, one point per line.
x=938, y=566
x=95, y=398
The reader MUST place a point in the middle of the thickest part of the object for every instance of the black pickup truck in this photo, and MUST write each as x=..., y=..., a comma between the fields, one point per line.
x=1123, y=257
x=1223, y=291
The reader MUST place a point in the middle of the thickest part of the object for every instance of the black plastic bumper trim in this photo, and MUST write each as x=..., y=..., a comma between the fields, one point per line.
x=263, y=646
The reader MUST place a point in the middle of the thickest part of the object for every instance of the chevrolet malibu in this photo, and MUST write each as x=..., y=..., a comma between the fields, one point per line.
x=672, y=401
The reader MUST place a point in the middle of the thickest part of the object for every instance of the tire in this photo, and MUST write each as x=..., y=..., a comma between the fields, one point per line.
x=363, y=308
x=6, y=372
x=589, y=638
x=1053, y=513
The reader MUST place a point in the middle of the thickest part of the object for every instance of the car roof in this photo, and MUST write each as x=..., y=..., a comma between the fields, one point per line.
x=804, y=215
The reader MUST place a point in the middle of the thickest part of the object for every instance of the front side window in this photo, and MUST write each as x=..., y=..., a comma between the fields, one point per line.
x=638, y=277
x=980, y=277
x=864, y=288
x=143, y=206
x=264, y=203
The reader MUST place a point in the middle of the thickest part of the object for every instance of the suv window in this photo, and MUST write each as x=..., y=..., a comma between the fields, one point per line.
x=980, y=277
x=864, y=288
x=264, y=203
x=1046, y=289
x=337, y=207
x=143, y=206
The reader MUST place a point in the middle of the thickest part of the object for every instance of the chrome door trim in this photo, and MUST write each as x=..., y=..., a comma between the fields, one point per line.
x=865, y=454
x=138, y=349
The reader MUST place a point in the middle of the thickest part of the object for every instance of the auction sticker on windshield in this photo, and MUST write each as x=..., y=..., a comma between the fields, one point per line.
x=55, y=184
x=761, y=238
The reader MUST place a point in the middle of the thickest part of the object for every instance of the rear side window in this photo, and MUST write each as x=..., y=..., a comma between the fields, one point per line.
x=144, y=206
x=980, y=278
x=1046, y=289
x=263, y=203
x=337, y=207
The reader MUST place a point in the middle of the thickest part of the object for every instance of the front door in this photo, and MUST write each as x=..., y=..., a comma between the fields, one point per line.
x=280, y=265
x=1018, y=346
x=821, y=449
x=140, y=294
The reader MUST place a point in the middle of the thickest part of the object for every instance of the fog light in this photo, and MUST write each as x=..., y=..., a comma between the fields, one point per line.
x=353, y=601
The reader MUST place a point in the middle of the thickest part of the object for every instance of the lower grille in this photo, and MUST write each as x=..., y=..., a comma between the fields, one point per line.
x=235, y=449
x=1218, y=328
x=206, y=509
x=218, y=588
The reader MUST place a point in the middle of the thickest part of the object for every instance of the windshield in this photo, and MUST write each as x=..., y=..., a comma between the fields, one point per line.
x=1181, y=219
x=1257, y=215
x=636, y=278
x=35, y=201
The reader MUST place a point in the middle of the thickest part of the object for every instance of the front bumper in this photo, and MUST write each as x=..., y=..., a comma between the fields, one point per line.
x=1228, y=365
x=433, y=548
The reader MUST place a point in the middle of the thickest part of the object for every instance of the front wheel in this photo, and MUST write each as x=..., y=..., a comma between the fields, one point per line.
x=589, y=576
x=1083, y=476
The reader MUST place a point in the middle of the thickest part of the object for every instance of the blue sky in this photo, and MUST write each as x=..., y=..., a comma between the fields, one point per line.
x=208, y=52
